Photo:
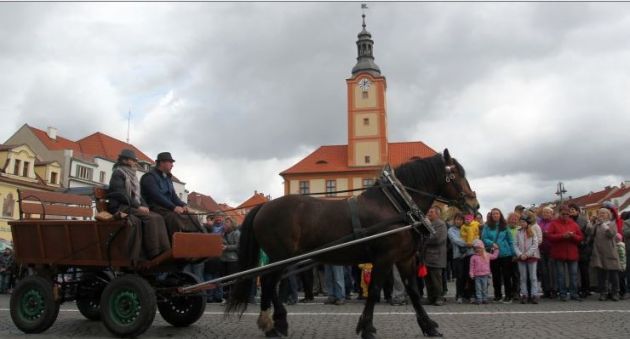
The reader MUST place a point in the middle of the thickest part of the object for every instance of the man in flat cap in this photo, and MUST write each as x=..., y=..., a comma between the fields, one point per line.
x=157, y=189
x=150, y=236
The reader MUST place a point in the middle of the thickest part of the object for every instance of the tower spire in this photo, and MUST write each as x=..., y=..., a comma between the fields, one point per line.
x=365, y=44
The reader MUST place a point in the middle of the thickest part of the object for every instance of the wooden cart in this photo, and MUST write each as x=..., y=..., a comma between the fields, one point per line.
x=73, y=257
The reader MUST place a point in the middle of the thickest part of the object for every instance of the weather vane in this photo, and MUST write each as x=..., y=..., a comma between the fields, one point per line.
x=363, y=8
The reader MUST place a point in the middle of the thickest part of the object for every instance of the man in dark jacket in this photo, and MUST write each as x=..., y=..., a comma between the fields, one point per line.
x=584, y=250
x=159, y=193
x=124, y=196
x=435, y=257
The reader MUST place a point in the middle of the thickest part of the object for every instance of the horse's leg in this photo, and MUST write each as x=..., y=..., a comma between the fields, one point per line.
x=365, y=326
x=279, y=326
x=407, y=272
x=265, y=323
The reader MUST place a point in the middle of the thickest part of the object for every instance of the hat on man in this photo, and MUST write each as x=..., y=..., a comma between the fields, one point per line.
x=164, y=156
x=127, y=154
x=519, y=208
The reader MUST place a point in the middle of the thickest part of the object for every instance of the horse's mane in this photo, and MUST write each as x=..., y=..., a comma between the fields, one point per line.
x=419, y=172
x=416, y=173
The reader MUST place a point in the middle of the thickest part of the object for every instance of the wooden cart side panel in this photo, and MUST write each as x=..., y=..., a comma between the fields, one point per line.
x=45, y=242
x=197, y=245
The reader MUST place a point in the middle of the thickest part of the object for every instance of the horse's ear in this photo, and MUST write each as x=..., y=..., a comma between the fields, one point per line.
x=447, y=157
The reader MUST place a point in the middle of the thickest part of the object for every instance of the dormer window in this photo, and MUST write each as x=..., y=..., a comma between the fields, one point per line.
x=321, y=162
x=53, y=178
x=16, y=167
x=25, y=169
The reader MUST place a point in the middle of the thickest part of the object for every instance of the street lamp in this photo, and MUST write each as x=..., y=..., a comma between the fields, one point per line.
x=561, y=190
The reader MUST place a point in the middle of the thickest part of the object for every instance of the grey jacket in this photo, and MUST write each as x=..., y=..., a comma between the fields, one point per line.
x=230, y=240
x=604, y=254
x=435, y=251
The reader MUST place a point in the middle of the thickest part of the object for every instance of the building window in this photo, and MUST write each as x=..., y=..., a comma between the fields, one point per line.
x=25, y=169
x=364, y=94
x=331, y=188
x=367, y=159
x=366, y=121
x=8, y=205
x=84, y=172
x=16, y=167
x=304, y=188
x=53, y=178
x=101, y=177
x=368, y=182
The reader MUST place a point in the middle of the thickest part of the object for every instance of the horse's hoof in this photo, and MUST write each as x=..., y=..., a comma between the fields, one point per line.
x=275, y=333
x=368, y=335
x=432, y=333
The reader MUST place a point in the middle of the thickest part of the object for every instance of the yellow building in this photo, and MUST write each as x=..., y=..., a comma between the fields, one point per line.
x=356, y=165
x=20, y=168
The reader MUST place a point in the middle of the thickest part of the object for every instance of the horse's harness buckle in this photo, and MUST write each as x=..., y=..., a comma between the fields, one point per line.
x=402, y=201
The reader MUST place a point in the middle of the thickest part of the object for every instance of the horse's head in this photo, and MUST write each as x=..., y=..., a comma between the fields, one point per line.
x=456, y=187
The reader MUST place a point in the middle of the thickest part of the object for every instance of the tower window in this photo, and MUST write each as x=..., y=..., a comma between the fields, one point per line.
x=367, y=159
x=364, y=94
x=366, y=121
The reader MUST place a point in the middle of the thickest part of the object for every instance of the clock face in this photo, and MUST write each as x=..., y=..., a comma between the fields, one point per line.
x=364, y=84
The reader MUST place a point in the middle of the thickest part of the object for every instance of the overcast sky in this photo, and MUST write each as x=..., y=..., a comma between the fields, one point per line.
x=523, y=94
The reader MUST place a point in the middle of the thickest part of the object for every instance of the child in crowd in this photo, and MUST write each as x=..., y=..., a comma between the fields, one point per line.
x=480, y=269
x=366, y=277
x=470, y=229
x=621, y=250
x=527, y=255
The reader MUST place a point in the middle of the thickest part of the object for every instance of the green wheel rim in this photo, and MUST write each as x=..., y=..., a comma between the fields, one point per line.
x=32, y=305
x=125, y=307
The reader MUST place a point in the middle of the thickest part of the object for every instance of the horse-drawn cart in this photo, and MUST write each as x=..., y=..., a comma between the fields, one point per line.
x=86, y=261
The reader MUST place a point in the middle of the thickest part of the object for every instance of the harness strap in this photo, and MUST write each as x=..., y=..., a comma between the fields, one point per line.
x=402, y=200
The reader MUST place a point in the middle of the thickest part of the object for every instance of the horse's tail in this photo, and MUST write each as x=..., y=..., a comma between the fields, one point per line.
x=248, y=256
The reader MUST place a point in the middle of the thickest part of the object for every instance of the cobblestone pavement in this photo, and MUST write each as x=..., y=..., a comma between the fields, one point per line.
x=549, y=319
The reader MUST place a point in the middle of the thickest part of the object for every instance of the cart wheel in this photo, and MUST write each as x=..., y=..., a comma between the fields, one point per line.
x=183, y=310
x=33, y=305
x=89, y=294
x=128, y=306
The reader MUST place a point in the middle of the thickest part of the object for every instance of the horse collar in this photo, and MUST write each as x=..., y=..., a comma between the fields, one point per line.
x=396, y=193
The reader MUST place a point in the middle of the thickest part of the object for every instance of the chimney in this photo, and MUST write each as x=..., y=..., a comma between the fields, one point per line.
x=52, y=133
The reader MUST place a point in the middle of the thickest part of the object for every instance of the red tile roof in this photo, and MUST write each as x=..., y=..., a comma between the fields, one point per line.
x=593, y=197
x=334, y=158
x=623, y=190
x=254, y=200
x=59, y=143
x=202, y=202
x=108, y=147
x=97, y=144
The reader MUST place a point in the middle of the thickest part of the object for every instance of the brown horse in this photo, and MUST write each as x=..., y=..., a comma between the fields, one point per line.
x=296, y=224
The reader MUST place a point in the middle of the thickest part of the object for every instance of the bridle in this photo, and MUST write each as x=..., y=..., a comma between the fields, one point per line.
x=450, y=178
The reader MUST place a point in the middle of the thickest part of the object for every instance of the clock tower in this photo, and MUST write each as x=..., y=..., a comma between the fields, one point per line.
x=367, y=114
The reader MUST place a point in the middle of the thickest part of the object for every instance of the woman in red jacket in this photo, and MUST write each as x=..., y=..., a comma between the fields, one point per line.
x=565, y=235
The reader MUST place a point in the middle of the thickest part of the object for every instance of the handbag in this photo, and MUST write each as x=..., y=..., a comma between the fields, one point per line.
x=422, y=271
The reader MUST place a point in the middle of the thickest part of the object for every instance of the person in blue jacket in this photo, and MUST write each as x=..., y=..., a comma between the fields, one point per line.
x=495, y=231
x=158, y=191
